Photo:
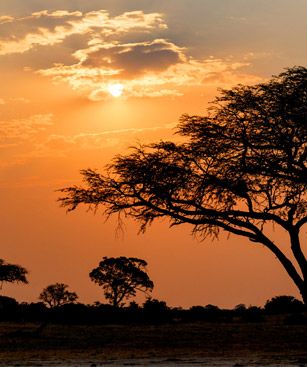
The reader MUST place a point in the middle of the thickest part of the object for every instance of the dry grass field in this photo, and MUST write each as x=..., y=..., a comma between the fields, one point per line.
x=264, y=342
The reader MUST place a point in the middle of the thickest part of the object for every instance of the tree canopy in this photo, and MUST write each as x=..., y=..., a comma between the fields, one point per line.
x=241, y=168
x=121, y=277
x=56, y=295
x=12, y=273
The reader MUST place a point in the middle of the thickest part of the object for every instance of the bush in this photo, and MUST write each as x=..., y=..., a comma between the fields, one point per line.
x=8, y=307
x=284, y=304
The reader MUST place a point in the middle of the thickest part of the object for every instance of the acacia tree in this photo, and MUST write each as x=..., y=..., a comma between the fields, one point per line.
x=56, y=295
x=12, y=273
x=121, y=277
x=242, y=168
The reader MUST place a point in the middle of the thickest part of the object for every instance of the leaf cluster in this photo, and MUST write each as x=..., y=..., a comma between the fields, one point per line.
x=12, y=273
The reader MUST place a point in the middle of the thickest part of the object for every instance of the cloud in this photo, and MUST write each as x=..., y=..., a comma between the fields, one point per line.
x=22, y=100
x=146, y=76
x=131, y=59
x=58, y=146
x=152, y=68
x=6, y=19
x=138, y=66
x=19, y=35
x=16, y=131
x=127, y=50
x=105, y=139
x=44, y=28
x=18, y=100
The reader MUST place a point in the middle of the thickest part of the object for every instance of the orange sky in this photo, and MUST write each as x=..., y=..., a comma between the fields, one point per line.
x=59, y=63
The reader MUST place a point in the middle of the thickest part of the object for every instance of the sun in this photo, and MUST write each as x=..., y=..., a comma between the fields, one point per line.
x=116, y=90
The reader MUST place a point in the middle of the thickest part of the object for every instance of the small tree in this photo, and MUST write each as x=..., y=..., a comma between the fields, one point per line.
x=12, y=273
x=121, y=277
x=242, y=168
x=57, y=295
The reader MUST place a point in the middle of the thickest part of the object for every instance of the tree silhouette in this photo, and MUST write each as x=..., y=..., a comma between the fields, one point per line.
x=57, y=295
x=242, y=168
x=12, y=273
x=283, y=304
x=121, y=277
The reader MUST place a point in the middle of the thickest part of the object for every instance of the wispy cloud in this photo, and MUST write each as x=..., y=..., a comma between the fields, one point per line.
x=16, y=100
x=101, y=140
x=16, y=131
x=57, y=146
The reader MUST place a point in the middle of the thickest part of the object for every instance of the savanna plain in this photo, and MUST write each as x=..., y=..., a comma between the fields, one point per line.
x=271, y=342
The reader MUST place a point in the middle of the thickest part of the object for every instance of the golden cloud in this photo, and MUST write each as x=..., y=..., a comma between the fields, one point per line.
x=170, y=77
x=153, y=67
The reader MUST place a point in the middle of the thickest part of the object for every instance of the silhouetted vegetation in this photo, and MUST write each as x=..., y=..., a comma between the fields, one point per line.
x=56, y=295
x=121, y=277
x=242, y=169
x=8, y=308
x=153, y=311
x=284, y=304
x=12, y=273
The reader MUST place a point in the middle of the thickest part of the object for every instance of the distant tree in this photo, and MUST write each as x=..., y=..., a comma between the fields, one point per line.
x=252, y=314
x=12, y=273
x=212, y=308
x=155, y=306
x=240, y=308
x=57, y=295
x=121, y=277
x=133, y=306
x=242, y=168
x=156, y=310
x=283, y=304
x=208, y=312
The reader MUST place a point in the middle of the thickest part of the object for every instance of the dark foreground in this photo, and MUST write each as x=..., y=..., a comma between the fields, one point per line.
x=185, y=344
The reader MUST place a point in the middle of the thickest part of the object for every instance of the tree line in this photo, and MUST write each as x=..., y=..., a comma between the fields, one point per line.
x=281, y=308
x=120, y=278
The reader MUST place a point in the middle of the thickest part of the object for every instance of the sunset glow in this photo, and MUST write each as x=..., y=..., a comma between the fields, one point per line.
x=84, y=81
x=116, y=90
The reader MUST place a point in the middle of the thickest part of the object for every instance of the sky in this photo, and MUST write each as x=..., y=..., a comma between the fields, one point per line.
x=82, y=81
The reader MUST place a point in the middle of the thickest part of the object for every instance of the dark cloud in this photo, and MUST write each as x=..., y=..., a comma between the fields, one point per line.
x=135, y=58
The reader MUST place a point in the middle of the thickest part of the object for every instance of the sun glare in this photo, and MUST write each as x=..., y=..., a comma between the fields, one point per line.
x=116, y=90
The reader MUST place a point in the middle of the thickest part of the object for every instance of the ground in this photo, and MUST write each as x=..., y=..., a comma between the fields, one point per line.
x=263, y=342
